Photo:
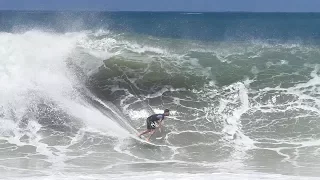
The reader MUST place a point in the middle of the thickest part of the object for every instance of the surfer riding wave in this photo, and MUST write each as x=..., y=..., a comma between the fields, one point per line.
x=151, y=123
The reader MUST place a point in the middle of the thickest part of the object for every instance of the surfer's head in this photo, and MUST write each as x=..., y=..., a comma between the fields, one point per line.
x=166, y=112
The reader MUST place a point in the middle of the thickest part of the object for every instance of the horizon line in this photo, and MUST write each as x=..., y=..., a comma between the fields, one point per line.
x=154, y=11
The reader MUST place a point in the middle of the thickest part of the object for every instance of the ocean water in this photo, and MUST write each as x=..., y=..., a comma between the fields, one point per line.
x=243, y=90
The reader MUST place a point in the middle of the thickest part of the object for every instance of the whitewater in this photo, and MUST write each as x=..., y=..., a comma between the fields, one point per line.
x=70, y=100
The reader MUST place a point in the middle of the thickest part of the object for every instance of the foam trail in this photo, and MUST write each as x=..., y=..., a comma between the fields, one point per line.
x=93, y=118
x=233, y=127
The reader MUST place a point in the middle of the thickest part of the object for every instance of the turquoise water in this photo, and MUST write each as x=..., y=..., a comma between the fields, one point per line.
x=299, y=27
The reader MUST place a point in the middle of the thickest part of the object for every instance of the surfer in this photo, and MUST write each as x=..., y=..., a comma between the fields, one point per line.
x=151, y=123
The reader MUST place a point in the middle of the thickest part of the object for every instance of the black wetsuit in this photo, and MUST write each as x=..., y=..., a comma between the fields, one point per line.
x=151, y=120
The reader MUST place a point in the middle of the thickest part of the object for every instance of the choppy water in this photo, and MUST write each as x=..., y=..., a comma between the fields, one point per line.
x=243, y=90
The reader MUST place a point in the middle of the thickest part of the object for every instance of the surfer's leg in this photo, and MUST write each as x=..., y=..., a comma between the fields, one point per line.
x=152, y=132
x=148, y=128
x=144, y=132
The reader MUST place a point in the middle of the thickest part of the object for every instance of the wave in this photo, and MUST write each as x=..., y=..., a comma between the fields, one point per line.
x=72, y=100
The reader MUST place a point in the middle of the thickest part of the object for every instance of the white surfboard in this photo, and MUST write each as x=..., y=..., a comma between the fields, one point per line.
x=143, y=140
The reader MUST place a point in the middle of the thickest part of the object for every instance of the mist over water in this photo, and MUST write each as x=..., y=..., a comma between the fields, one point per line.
x=71, y=99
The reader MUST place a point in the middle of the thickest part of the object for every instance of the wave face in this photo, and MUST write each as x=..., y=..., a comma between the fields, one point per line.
x=76, y=86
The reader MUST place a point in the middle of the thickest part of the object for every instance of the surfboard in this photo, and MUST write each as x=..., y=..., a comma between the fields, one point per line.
x=142, y=140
